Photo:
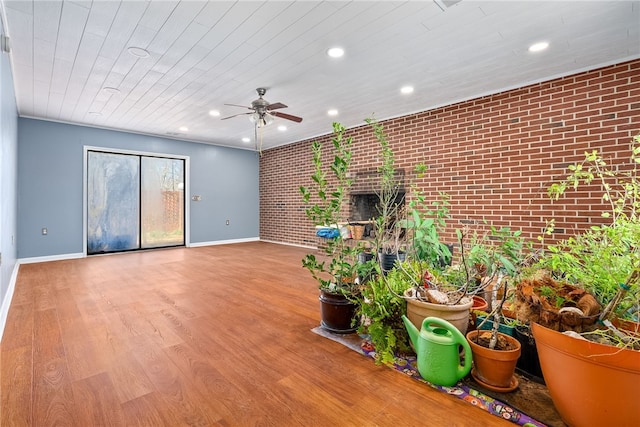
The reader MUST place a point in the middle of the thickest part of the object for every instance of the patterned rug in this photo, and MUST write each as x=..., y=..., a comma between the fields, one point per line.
x=407, y=366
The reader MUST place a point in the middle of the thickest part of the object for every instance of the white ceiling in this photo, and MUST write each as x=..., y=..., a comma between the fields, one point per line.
x=206, y=54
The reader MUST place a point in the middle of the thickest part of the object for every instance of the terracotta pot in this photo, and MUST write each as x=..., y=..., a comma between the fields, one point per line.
x=479, y=303
x=627, y=325
x=337, y=313
x=494, y=368
x=457, y=315
x=591, y=384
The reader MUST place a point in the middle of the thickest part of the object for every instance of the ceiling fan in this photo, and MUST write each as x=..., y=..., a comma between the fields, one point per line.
x=262, y=112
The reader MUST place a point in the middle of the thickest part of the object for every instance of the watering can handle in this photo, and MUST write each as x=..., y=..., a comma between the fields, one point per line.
x=458, y=339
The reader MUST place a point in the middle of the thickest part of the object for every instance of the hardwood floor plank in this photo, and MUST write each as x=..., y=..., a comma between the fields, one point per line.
x=296, y=391
x=216, y=336
x=16, y=378
x=84, y=359
x=221, y=395
x=47, y=338
x=128, y=377
x=148, y=410
x=53, y=402
x=18, y=331
x=96, y=403
x=177, y=391
x=162, y=328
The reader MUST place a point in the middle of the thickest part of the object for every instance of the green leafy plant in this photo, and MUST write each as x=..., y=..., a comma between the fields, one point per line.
x=382, y=308
x=487, y=258
x=605, y=259
x=425, y=222
x=390, y=200
x=325, y=199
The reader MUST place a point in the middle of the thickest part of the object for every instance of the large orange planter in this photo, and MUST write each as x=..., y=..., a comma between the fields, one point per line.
x=590, y=384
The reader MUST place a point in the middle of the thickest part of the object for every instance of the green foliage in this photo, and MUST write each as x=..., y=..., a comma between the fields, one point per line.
x=599, y=260
x=425, y=222
x=604, y=259
x=498, y=252
x=386, y=231
x=383, y=307
x=325, y=199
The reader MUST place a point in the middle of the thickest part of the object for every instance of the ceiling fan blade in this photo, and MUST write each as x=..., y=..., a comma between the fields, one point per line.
x=235, y=115
x=275, y=106
x=241, y=106
x=286, y=116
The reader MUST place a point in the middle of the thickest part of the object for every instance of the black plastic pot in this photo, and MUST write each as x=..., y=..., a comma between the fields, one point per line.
x=363, y=258
x=388, y=260
x=338, y=314
x=529, y=363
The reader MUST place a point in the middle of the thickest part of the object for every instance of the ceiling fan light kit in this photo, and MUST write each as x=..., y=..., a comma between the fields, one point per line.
x=261, y=120
x=262, y=111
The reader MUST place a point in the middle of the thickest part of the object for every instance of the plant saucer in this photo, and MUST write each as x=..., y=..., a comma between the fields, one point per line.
x=512, y=386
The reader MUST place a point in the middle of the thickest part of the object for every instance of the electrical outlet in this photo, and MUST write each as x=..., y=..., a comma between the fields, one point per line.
x=45, y=231
x=196, y=198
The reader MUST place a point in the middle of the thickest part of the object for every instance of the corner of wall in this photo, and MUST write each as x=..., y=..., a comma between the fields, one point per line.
x=6, y=301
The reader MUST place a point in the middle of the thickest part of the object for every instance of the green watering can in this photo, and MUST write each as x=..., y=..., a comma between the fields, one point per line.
x=437, y=348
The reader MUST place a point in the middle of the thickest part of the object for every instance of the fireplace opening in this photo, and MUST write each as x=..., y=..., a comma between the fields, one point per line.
x=365, y=208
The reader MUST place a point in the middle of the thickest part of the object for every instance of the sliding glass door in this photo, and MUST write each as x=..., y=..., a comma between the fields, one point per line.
x=133, y=202
x=162, y=219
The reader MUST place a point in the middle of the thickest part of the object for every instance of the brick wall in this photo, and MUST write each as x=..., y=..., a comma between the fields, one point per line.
x=495, y=156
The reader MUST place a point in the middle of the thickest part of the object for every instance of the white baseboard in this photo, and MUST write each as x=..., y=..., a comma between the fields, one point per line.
x=6, y=302
x=223, y=242
x=61, y=257
x=289, y=244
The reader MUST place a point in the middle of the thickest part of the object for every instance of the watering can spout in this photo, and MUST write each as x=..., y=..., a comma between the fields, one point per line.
x=412, y=330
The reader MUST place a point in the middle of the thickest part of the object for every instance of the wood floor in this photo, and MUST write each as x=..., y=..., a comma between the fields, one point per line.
x=211, y=336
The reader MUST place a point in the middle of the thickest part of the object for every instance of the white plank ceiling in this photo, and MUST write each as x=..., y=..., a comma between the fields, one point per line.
x=71, y=61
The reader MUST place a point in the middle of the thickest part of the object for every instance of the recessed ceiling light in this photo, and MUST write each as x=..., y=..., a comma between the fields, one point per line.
x=111, y=90
x=332, y=112
x=95, y=113
x=245, y=139
x=282, y=128
x=537, y=47
x=214, y=113
x=406, y=89
x=335, y=52
x=138, y=52
x=183, y=129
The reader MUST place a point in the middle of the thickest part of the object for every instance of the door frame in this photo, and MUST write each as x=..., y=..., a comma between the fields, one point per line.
x=85, y=151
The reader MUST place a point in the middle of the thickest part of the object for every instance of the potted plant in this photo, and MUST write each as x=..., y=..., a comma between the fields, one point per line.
x=491, y=260
x=494, y=368
x=336, y=269
x=484, y=261
x=382, y=308
x=495, y=353
x=389, y=233
x=594, y=383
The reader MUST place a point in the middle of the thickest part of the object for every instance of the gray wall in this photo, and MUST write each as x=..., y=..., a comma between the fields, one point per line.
x=8, y=177
x=50, y=162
